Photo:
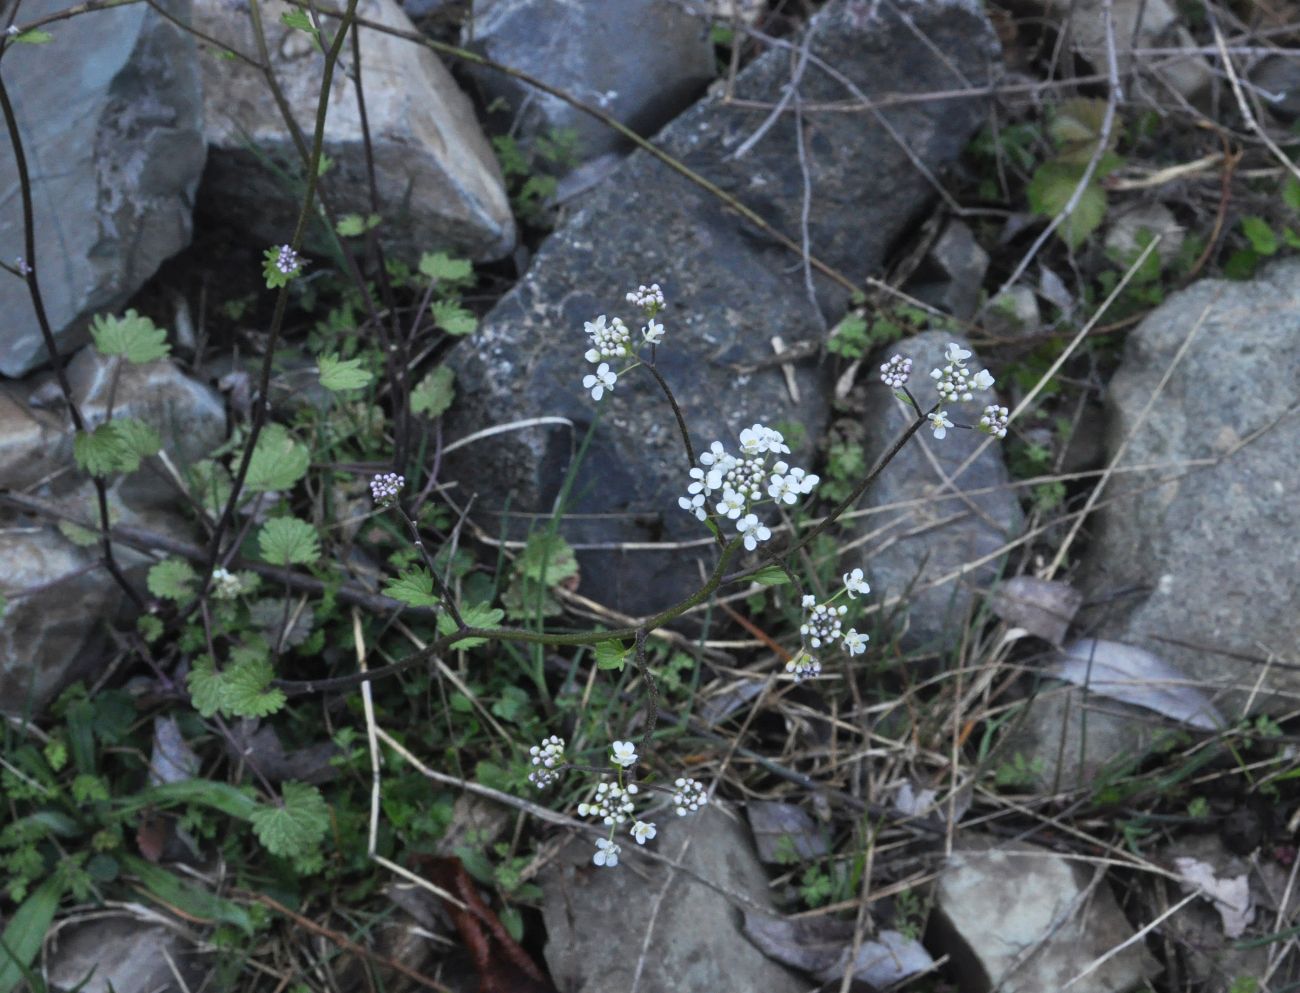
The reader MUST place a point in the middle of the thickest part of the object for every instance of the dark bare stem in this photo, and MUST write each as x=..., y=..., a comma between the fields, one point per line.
x=652, y=691
x=31, y=277
x=282, y=299
x=448, y=601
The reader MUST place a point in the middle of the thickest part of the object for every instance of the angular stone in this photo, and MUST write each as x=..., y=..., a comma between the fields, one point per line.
x=27, y=435
x=641, y=61
x=1202, y=538
x=953, y=272
x=596, y=918
x=940, y=548
x=1020, y=918
x=110, y=112
x=126, y=957
x=730, y=290
x=439, y=183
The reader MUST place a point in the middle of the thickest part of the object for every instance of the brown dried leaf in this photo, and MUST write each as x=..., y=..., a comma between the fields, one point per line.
x=1042, y=607
x=782, y=830
x=822, y=945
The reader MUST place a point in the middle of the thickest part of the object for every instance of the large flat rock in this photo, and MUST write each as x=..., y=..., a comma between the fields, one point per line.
x=730, y=288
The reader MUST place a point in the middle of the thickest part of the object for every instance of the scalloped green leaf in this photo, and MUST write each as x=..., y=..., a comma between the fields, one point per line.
x=278, y=462
x=338, y=374
x=133, y=336
x=480, y=615
x=413, y=587
x=453, y=318
x=288, y=541
x=172, y=579
x=435, y=393
x=296, y=825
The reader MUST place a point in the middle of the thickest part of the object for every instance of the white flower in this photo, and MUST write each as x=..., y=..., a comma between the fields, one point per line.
x=753, y=530
x=823, y=625
x=716, y=453
x=611, y=803
x=385, y=486
x=783, y=488
x=700, y=483
x=606, y=853
x=603, y=380
x=855, y=584
x=806, y=481
x=288, y=261
x=982, y=380
x=653, y=333
x=732, y=504
x=956, y=354
x=643, y=831
x=809, y=601
x=940, y=424
x=612, y=341
x=694, y=505
x=648, y=298
x=854, y=643
x=624, y=754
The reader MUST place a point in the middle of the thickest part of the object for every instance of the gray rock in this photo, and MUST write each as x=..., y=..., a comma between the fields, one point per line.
x=1014, y=312
x=47, y=635
x=1278, y=76
x=126, y=957
x=1067, y=739
x=937, y=533
x=111, y=115
x=1022, y=919
x=952, y=272
x=1136, y=24
x=729, y=289
x=1126, y=231
x=641, y=61
x=1207, y=551
x=439, y=182
x=596, y=918
x=43, y=633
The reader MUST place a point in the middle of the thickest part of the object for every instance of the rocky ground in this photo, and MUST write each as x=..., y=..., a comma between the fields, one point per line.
x=254, y=262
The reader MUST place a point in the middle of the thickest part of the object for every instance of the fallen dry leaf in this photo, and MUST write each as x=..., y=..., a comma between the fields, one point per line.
x=1134, y=676
x=1042, y=607
x=822, y=945
x=1231, y=896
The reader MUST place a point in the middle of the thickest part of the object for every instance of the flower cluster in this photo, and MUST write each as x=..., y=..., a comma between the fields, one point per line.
x=611, y=803
x=994, y=420
x=955, y=384
x=689, y=795
x=385, y=487
x=613, y=341
x=648, y=298
x=614, y=803
x=896, y=372
x=734, y=483
x=546, y=756
x=288, y=261
x=823, y=628
x=225, y=584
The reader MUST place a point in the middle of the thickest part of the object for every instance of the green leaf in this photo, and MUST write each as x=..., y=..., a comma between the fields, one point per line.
x=241, y=689
x=132, y=336
x=1259, y=234
x=33, y=36
x=278, y=461
x=444, y=269
x=210, y=484
x=771, y=575
x=611, y=654
x=194, y=900
x=435, y=393
x=341, y=374
x=1290, y=238
x=288, y=541
x=294, y=827
x=224, y=797
x=547, y=558
x=351, y=225
x=150, y=627
x=26, y=931
x=453, y=318
x=117, y=446
x=413, y=587
x=4, y=605
x=172, y=579
x=301, y=21
x=480, y=615
x=79, y=536
x=138, y=441
x=1291, y=192
x=1050, y=190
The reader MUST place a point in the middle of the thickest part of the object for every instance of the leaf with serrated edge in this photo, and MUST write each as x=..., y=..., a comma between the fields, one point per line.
x=342, y=374
x=296, y=825
x=288, y=541
x=171, y=579
x=278, y=461
x=434, y=394
x=413, y=587
x=132, y=336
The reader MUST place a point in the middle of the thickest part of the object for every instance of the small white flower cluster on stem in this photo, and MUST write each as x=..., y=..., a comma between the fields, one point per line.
x=955, y=383
x=288, y=261
x=225, y=584
x=613, y=341
x=736, y=483
x=823, y=628
x=546, y=756
x=994, y=420
x=385, y=486
x=896, y=372
x=615, y=802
